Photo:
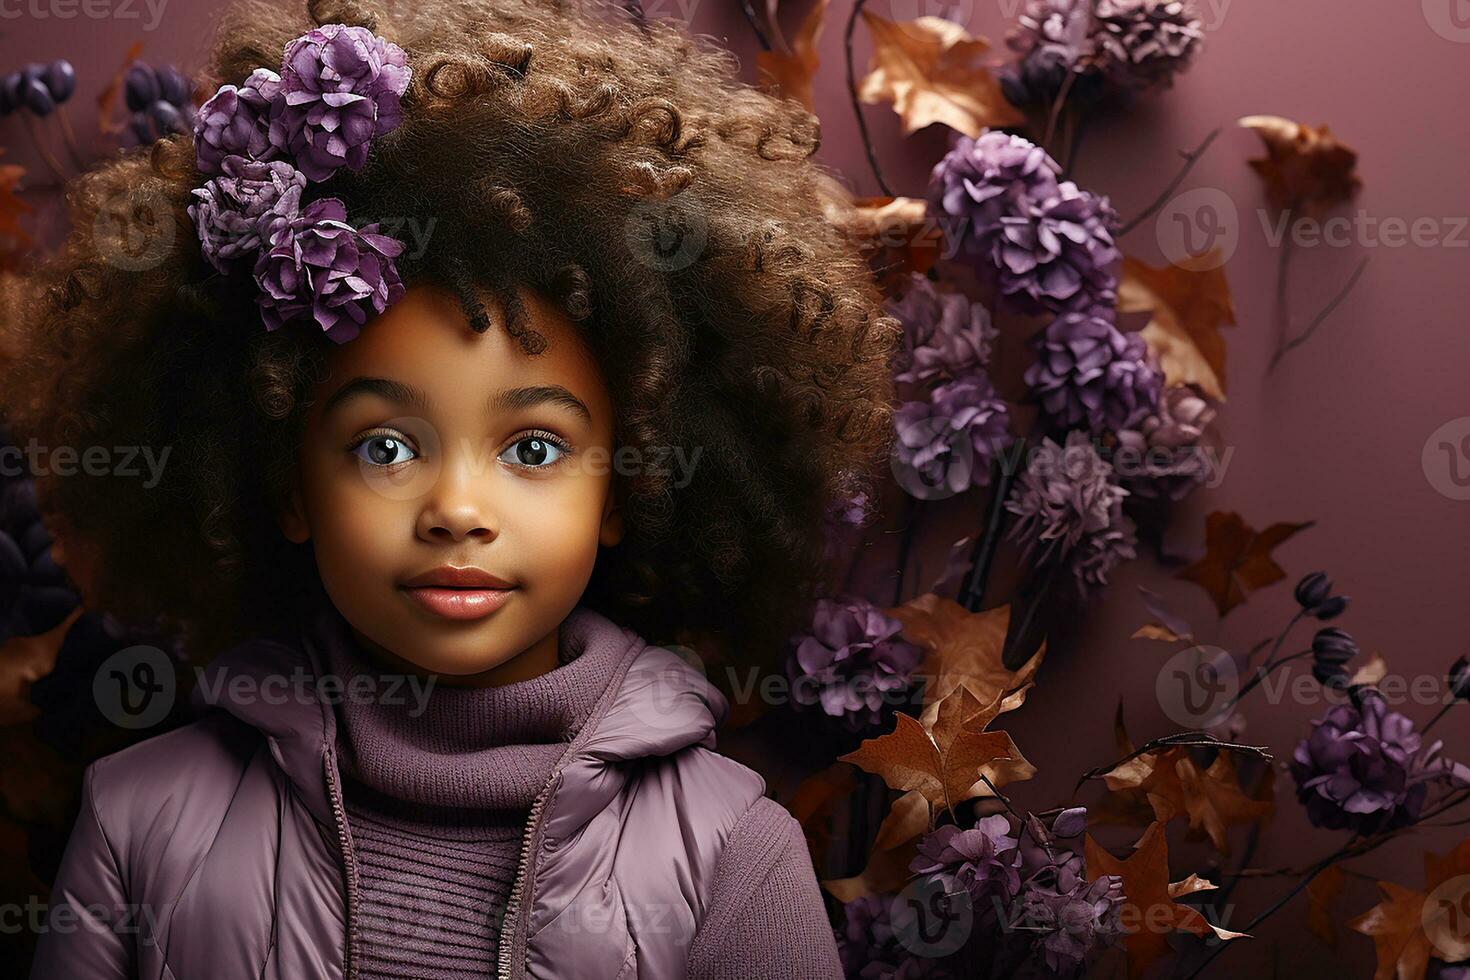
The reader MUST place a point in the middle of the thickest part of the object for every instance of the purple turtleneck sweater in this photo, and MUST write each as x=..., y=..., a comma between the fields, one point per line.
x=437, y=805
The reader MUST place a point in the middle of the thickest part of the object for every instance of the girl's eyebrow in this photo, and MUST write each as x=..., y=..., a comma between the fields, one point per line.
x=515, y=398
x=508, y=400
x=386, y=388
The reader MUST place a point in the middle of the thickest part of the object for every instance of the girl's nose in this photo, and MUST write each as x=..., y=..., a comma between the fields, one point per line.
x=457, y=508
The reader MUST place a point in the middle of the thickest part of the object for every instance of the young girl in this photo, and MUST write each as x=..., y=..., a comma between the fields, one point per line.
x=487, y=338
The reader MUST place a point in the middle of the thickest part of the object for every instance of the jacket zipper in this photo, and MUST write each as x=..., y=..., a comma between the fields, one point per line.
x=349, y=865
x=510, y=925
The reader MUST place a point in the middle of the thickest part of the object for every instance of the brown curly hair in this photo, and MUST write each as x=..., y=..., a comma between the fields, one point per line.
x=545, y=147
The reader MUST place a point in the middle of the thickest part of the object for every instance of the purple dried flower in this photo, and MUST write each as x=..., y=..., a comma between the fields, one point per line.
x=341, y=87
x=236, y=120
x=1069, y=916
x=1458, y=679
x=1069, y=508
x=317, y=265
x=1089, y=373
x=853, y=657
x=1361, y=768
x=140, y=87
x=945, y=335
x=985, y=860
x=1145, y=43
x=1163, y=450
x=945, y=445
x=870, y=949
x=61, y=80
x=1054, y=39
x=1045, y=244
x=248, y=204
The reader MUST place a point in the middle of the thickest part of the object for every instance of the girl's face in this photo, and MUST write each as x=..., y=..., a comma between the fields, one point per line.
x=455, y=489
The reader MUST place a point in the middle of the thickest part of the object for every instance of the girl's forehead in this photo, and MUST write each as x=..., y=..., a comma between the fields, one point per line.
x=425, y=340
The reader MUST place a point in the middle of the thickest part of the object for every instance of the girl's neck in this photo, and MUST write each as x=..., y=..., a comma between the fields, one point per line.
x=539, y=658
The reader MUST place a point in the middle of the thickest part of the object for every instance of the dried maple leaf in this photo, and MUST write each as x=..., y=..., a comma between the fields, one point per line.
x=790, y=72
x=1320, y=894
x=933, y=71
x=1172, y=785
x=1408, y=927
x=895, y=236
x=1237, y=558
x=945, y=764
x=1187, y=309
x=894, y=848
x=965, y=649
x=1149, y=910
x=1373, y=670
x=1305, y=167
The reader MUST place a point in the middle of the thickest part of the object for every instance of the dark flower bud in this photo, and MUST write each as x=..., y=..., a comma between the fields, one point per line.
x=140, y=87
x=1313, y=590
x=10, y=93
x=1331, y=608
x=60, y=79
x=38, y=97
x=1070, y=822
x=1333, y=646
x=1332, y=676
x=166, y=118
x=1459, y=679
x=173, y=87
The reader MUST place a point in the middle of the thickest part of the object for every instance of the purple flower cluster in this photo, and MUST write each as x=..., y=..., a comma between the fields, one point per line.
x=1164, y=447
x=1029, y=899
x=871, y=949
x=1108, y=47
x=852, y=658
x=1089, y=373
x=38, y=88
x=945, y=334
x=1043, y=242
x=264, y=140
x=945, y=445
x=1362, y=768
x=1069, y=509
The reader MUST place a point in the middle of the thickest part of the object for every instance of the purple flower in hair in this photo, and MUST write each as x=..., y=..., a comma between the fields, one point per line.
x=946, y=445
x=319, y=266
x=341, y=87
x=236, y=120
x=245, y=206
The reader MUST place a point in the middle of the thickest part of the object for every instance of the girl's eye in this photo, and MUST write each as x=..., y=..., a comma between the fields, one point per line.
x=532, y=452
x=383, y=450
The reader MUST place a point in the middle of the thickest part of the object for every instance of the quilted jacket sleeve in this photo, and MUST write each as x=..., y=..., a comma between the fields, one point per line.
x=90, y=926
x=766, y=918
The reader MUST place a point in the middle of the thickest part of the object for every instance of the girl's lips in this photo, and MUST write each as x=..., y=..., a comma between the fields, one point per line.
x=454, y=603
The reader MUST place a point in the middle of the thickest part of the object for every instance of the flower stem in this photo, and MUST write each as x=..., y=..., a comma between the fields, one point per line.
x=1191, y=157
x=857, y=106
x=972, y=595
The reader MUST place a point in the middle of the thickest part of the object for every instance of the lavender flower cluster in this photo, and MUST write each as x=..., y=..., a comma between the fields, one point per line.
x=261, y=142
x=1030, y=903
x=1098, y=48
x=851, y=661
x=951, y=431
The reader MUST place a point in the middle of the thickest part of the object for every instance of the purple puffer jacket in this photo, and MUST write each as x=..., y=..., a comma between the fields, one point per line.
x=221, y=850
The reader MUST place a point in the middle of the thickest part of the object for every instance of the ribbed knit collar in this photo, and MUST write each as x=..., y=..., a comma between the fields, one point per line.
x=469, y=749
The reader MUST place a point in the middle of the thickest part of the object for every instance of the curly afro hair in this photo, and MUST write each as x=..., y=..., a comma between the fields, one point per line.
x=543, y=147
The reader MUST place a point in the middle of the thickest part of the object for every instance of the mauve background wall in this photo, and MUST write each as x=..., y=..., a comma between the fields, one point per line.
x=1335, y=435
